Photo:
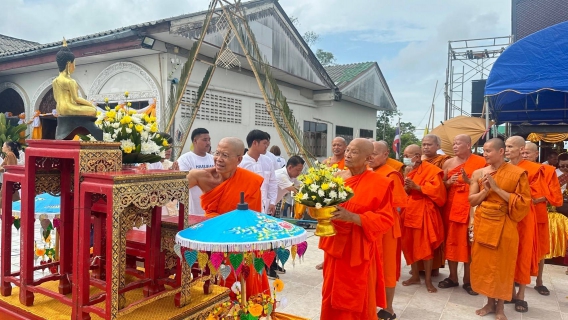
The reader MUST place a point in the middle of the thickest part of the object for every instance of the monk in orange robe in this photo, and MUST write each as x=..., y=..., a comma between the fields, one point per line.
x=456, y=212
x=552, y=195
x=338, y=146
x=527, y=260
x=351, y=271
x=422, y=226
x=501, y=193
x=221, y=186
x=391, y=239
x=431, y=143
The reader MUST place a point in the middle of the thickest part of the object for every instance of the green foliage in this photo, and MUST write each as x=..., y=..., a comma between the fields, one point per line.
x=310, y=37
x=326, y=58
x=386, y=127
x=9, y=132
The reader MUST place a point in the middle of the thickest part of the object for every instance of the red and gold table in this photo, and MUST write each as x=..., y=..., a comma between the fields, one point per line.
x=131, y=197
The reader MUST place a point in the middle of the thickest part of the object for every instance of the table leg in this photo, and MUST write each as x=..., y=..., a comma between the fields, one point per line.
x=6, y=250
x=153, y=243
x=81, y=288
x=27, y=233
x=66, y=229
x=183, y=271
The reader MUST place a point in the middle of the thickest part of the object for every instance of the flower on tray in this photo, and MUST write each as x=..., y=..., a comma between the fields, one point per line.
x=320, y=187
x=137, y=132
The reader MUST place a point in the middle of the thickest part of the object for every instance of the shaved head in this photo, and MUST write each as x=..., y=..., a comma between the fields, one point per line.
x=234, y=144
x=531, y=152
x=358, y=154
x=495, y=143
x=430, y=145
x=380, y=154
x=463, y=137
x=493, y=152
x=462, y=146
x=514, y=146
x=413, y=149
x=338, y=145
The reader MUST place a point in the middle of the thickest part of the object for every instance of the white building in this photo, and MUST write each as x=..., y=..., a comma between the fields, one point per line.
x=339, y=100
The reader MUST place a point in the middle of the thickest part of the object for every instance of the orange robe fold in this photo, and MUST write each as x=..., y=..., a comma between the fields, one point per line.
x=528, y=259
x=224, y=198
x=391, y=239
x=396, y=165
x=496, y=240
x=340, y=163
x=456, y=212
x=438, y=259
x=352, y=275
x=422, y=226
x=553, y=195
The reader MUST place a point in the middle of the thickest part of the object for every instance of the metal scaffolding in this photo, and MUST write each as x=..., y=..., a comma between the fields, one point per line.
x=469, y=60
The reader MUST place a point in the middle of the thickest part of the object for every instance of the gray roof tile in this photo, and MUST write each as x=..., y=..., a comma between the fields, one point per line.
x=9, y=44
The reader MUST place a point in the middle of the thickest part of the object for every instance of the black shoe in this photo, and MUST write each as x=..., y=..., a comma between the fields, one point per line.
x=280, y=270
x=272, y=275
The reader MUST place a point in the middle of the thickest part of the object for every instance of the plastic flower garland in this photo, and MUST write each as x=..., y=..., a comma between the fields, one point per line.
x=321, y=188
x=136, y=132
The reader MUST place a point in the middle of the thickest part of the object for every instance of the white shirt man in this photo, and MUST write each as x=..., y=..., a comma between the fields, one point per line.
x=284, y=183
x=274, y=160
x=197, y=159
x=190, y=161
x=264, y=167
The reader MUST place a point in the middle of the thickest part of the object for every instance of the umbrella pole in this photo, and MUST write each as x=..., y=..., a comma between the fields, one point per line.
x=243, y=290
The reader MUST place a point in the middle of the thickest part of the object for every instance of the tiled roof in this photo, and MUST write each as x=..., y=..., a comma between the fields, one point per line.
x=345, y=73
x=8, y=44
x=37, y=46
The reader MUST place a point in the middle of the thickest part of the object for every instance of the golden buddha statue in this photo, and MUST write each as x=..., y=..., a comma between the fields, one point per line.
x=65, y=89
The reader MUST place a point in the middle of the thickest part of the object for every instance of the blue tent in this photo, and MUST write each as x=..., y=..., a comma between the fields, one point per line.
x=528, y=85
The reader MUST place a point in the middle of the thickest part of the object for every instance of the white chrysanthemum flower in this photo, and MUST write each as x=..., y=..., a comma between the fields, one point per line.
x=305, y=196
x=144, y=135
x=332, y=194
x=149, y=147
x=326, y=201
x=116, y=125
x=107, y=137
x=114, y=135
x=314, y=187
x=128, y=130
x=332, y=185
x=342, y=195
x=135, y=119
x=163, y=154
x=321, y=193
x=318, y=205
x=127, y=143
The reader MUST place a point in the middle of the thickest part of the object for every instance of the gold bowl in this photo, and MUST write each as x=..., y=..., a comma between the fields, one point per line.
x=324, y=228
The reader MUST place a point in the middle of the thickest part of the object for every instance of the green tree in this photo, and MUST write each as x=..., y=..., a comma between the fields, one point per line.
x=387, y=122
x=326, y=58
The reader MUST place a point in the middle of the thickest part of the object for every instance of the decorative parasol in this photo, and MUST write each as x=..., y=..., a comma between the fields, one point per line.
x=261, y=238
x=449, y=129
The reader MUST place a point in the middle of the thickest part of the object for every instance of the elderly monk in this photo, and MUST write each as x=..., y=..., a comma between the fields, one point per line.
x=431, y=143
x=527, y=260
x=553, y=196
x=352, y=272
x=456, y=212
x=391, y=239
x=422, y=226
x=501, y=193
x=221, y=186
x=338, y=145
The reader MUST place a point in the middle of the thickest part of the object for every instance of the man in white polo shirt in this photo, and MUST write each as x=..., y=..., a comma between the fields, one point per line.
x=286, y=178
x=197, y=159
x=255, y=160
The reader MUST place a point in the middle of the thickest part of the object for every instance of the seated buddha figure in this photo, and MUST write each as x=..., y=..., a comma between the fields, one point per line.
x=65, y=89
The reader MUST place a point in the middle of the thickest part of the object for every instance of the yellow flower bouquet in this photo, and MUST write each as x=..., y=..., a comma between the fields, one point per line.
x=136, y=132
x=320, y=190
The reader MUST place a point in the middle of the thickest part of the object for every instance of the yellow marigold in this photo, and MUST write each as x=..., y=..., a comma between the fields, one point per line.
x=324, y=186
x=127, y=149
x=117, y=107
x=129, y=104
x=152, y=119
x=111, y=114
x=126, y=120
x=255, y=309
x=165, y=143
x=139, y=127
x=131, y=111
x=348, y=189
x=147, y=118
x=126, y=94
x=106, y=100
x=130, y=125
x=335, y=166
x=154, y=128
x=278, y=285
x=308, y=180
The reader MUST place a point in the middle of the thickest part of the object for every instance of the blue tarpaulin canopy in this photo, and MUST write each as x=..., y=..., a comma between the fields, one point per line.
x=528, y=85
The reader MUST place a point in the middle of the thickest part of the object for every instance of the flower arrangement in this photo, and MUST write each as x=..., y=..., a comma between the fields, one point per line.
x=136, y=132
x=320, y=187
x=259, y=306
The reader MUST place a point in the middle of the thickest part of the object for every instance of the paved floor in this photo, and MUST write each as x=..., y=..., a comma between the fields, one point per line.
x=303, y=284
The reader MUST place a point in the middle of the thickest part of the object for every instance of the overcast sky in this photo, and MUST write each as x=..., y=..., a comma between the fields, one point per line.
x=408, y=38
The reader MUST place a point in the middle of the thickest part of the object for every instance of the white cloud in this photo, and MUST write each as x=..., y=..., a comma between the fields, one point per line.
x=426, y=27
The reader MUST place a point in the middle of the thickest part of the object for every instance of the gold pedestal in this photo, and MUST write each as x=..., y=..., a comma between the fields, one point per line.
x=299, y=210
x=324, y=228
